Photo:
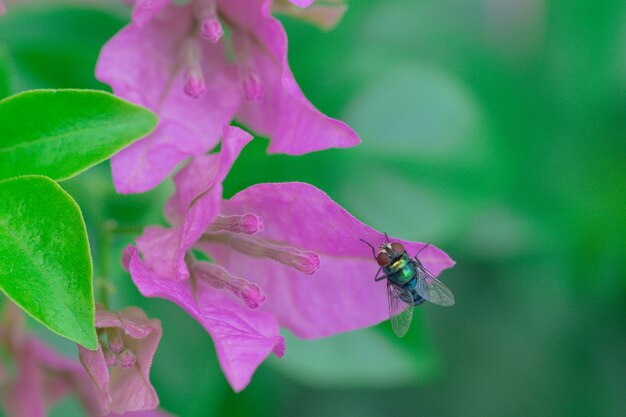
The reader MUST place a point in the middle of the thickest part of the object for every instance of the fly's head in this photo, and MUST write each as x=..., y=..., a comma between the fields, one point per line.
x=389, y=253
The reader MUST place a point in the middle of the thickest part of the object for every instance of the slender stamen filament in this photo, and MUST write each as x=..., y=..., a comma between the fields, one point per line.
x=248, y=224
x=116, y=344
x=218, y=277
x=306, y=262
x=249, y=77
x=194, y=80
x=109, y=357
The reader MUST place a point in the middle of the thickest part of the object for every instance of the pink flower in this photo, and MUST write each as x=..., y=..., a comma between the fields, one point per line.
x=41, y=377
x=127, y=343
x=145, y=10
x=286, y=251
x=341, y=295
x=44, y=378
x=192, y=208
x=173, y=59
x=243, y=338
x=3, y=8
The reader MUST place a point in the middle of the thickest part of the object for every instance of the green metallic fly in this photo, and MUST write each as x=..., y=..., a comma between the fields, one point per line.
x=409, y=283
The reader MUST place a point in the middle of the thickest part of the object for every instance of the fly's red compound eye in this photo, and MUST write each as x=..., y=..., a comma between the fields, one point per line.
x=397, y=248
x=383, y=259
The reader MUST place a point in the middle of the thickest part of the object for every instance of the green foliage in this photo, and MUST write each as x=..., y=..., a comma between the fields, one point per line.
x=54, y=47
x=60, y=133
x=45, y=266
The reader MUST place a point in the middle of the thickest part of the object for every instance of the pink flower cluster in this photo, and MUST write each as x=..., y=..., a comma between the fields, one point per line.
x=120, y=367
x=41, y=377
x=280, y=255
x=284, y=254
x=177, y=61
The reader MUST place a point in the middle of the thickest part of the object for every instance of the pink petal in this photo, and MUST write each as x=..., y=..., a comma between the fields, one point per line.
x=144, y=164
x=144, y=65
x=24, y=397
x=164, y=250
x=130, y=388
x=43, y=377
x=196, y=204
x=243, y=338
x=205, y=172
x=94, y=364
x=125, y=389
x=294, y=125
x=132, y=320
x=146, y=10
x=342, y=295
x=65, y=375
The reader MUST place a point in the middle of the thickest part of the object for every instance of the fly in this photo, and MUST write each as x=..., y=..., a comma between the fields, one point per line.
x=409, y=283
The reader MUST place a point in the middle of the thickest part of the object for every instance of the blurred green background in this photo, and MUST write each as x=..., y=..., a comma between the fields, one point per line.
x=494, y=129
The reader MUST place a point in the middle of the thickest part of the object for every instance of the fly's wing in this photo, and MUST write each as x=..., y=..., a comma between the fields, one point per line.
x=400, y=308
x=431, y=289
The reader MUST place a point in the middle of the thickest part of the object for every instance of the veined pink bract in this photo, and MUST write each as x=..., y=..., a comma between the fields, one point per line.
x=282, y=249
x=184, y=75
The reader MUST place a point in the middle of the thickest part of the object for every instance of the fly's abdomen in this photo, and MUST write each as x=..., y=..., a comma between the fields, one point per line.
x=417, y=299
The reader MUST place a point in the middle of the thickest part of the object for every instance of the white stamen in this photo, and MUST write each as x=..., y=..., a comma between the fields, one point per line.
x=116, y=344
x=248, y=223
x=306, y=262
x=195, y=86
x=218, y=277
x=249, y=77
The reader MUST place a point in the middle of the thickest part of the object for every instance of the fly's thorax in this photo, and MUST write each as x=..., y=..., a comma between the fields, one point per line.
x=402, y=270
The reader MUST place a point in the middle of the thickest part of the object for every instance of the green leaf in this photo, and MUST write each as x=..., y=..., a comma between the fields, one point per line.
x=45, y=266
x=60, y=133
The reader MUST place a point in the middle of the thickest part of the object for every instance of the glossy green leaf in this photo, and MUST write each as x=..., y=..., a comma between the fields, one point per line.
x=45, y=265
x=60, y=133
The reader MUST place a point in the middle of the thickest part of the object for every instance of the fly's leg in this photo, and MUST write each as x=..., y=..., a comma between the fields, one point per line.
x=420, y=265
x=379, y=278
x=419, y=251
